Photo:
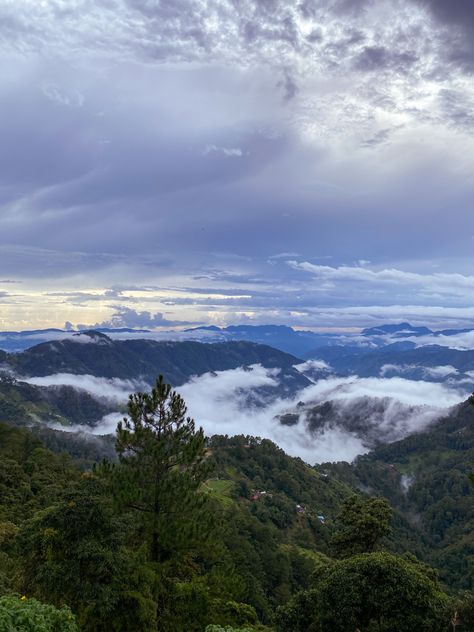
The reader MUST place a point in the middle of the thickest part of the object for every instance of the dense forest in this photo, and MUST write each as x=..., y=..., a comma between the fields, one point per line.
x=177, y=532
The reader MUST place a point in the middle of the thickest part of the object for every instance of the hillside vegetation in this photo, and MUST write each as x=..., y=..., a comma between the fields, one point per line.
x=184, y=533
x=94, y=353
x=426, y=477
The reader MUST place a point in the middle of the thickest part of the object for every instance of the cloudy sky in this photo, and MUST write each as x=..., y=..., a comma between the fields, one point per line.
x=228, y=161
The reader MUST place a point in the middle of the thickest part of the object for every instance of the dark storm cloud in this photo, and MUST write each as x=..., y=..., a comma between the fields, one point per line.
x=119, y=170
x=42, y=143
x=43, y=263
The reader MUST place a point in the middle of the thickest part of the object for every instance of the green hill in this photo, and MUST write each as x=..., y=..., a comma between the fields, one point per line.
x=24, y=403
x=426, y=479
x=93, y=353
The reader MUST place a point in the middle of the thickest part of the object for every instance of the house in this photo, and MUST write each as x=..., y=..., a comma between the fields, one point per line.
x=256, y=495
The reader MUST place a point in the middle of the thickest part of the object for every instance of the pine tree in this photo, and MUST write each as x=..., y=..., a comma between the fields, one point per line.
x=162, y=466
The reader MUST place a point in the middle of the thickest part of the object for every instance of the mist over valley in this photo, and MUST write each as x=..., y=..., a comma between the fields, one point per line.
x=352, y=394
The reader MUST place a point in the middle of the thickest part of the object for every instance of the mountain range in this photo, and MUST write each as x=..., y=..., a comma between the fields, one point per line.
x=94, y=353
x=425, y=475
x=412, y=352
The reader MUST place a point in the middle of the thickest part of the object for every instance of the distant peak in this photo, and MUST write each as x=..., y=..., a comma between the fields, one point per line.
x=396, y=329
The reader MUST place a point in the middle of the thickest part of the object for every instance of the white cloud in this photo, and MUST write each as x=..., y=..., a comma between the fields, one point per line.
x=447, y=283
x=219, y=403
x=313, y=364
x=230, y=152
x=388, y=408
x=434, y=371
x=462, y=341
x=112, y=389
x=69, y=99
x=107, y=425
x=408, y=392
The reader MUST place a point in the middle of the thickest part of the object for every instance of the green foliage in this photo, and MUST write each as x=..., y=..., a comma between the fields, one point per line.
x=29, y=615
x=425, y=477
x=21, y=402
x=74, y=555
x=162, y=467
x=130, y=548
x=377, y=592
x=363, y=523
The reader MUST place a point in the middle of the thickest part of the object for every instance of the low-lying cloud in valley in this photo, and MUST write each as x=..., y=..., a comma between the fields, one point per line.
x=361, y=411
x=438, y=372
x=110, y=389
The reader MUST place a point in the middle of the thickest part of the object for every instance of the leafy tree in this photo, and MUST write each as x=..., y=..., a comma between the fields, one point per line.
x=362, y=525
x=162, y=467
x=29, y=615
x=374, y=592
x=15, y=490
x=73, y=553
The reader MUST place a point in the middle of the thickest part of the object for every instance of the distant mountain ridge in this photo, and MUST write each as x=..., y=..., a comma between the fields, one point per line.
x=279, y=336
x=431, y=363
x=282, y=337
x=402, y=328
x=388, y=350
x=94, y=353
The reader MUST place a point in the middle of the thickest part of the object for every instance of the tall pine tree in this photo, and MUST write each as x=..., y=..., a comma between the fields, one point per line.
x=162, y=466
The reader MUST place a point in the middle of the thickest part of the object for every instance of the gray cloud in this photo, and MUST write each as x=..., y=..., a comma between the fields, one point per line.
x=138, y=137
x=460, y=12
x=127, y=317
x=458, y=18
x=373, y=58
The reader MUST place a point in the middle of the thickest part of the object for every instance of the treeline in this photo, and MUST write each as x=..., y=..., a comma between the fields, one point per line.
x=184, y=534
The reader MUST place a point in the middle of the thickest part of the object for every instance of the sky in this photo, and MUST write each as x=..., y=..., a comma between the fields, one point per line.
x=182, y=162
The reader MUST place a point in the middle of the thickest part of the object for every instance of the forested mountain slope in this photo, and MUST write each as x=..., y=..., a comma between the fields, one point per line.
x=249, y=536
x=24, y=403
x=95, y=354
x=266, y=547
x=426, y=477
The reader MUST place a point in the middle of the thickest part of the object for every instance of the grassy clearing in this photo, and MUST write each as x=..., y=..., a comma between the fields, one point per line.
x=220, y=489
